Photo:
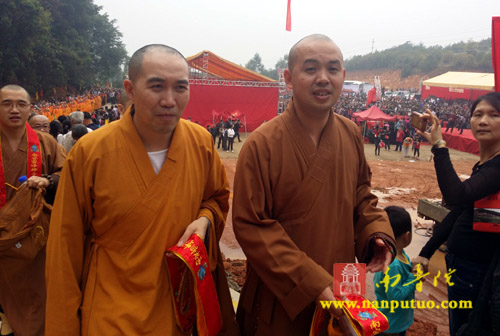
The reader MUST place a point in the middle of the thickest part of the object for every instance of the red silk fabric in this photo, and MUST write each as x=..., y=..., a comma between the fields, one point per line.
x=193, y=287
x=34, y=162
x=364, y=319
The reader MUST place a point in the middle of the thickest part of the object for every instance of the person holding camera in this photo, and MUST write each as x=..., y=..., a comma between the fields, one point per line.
x=470, y=248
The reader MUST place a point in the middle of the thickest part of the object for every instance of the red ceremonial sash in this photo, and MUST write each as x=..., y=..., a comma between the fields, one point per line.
x=34, y=161
x=363, y=318
x=195, y=297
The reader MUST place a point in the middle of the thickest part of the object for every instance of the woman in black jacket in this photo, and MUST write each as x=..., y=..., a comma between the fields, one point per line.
x=470, y=248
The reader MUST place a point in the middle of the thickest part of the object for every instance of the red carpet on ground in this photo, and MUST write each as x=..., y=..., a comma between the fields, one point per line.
x=464, y=142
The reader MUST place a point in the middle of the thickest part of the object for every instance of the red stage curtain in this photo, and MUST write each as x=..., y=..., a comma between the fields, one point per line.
x=208, y=103
x=463, y=142
x=495, y=50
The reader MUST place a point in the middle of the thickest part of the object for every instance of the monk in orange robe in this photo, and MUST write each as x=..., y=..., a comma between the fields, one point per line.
x=119, y=207
x=302, y=200
x=22, y=287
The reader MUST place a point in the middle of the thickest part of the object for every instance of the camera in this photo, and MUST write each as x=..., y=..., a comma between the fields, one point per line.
x=418, y=122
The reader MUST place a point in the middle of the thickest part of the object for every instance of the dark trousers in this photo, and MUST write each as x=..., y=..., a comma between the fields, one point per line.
x=230, y=144
x=224, y=143
x=220, y=140
x=416, y=152
x=467, y=281
x=237, y=134
x=377, y=150
x=399, y=145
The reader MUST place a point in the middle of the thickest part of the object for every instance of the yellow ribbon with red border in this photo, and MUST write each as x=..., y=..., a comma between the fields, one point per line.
x=34, y=161
x=364, y=319
x=195, y=297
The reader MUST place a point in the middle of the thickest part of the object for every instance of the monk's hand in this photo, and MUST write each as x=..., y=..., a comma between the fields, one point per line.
x=327, y=295
x=381, y=258
x=198, y=226
x=38, y=182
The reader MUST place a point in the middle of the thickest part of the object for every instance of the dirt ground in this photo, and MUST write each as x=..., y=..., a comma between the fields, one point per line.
x=390, y=79
x=396, y=181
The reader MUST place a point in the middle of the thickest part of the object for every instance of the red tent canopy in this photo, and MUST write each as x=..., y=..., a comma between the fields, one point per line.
x=373, y=114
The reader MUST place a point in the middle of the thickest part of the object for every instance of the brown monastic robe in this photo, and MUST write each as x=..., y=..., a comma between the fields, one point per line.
x=297, y=210
x=22, y=292
x=109, y=192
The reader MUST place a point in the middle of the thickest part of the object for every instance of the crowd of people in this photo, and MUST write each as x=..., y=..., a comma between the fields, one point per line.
x=139, y=207
x=449, y=111
x=225, y=133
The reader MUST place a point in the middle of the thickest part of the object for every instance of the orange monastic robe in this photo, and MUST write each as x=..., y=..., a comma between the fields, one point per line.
x=96, y=103
x=119, y=285
x=87, y=107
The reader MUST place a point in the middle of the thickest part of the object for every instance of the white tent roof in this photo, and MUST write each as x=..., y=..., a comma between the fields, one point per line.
x=466, y=80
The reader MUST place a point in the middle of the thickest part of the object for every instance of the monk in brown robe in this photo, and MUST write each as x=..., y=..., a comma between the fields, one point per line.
x=302, y=200
x=128, y=192
x=22, y=295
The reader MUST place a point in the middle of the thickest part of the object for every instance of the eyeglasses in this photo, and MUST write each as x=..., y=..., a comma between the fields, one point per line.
x=41, y=127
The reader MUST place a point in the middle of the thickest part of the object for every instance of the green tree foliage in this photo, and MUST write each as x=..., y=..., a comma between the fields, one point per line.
x=56, y=43
x=256, y=65
x=416, y=59
x=282, y=63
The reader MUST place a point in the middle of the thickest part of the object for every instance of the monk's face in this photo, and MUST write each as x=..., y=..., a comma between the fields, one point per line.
x=40, y=123
x=317, y=76
x=160, y=93
x=14, y=108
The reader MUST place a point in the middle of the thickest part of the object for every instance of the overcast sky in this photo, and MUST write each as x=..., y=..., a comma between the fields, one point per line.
x=237, y=29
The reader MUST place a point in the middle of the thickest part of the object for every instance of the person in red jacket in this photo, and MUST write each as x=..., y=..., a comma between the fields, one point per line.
x=416, y=146
x=399, y=139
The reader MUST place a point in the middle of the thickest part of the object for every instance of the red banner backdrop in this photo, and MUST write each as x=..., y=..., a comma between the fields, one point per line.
x=253, y=105
x=452, y=93
x=495, y=50
x=371, y=97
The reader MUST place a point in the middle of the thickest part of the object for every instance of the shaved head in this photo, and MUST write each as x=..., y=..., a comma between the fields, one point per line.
x=135, y=63
x=124, y=99
x=292, y=55
x=38, y=118
x=15, y=108
x=15, y=87
x=123, y=102
x=39, y=122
